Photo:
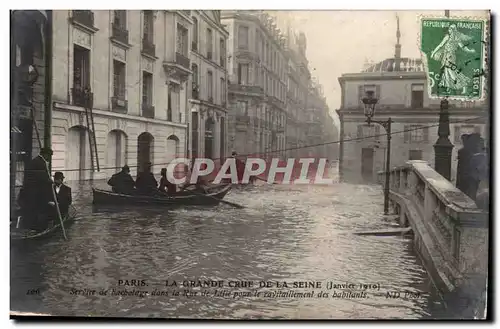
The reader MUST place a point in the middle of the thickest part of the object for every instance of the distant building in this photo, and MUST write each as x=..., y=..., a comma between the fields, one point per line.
x=257, y=83
x=208, y=91
x=136, y=65
x=400, y=84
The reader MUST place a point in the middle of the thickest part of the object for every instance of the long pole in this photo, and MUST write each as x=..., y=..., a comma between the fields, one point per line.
x=387, y=167
x=48, y=173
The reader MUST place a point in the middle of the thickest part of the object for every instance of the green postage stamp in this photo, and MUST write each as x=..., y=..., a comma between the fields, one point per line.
x=454, y=56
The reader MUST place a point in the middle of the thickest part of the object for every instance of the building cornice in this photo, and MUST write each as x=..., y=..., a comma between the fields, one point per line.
x=109, y=114
x=402, y=111
x=382, y=76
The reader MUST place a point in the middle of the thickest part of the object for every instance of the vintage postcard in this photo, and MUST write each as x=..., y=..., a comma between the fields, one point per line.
x=249, y=164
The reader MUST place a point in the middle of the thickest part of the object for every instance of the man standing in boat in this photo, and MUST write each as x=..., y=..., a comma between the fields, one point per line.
x=37, y=191
x=122, y=182
x=146, y=182
x=63, y=195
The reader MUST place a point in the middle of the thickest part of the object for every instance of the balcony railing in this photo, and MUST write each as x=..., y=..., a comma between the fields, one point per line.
x=119, y=104
x=182, y=60
x=82, y=97
x=148, y=111
x=194, y=45
x=120, y=33
x=84, y=17
x=148, y=47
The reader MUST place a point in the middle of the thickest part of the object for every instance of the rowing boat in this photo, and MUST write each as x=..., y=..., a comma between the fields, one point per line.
x=20, y=234
x=183, y=198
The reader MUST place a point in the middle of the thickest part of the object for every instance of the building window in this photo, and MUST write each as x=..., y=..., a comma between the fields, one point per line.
x=415, y=155
x=120, y=18
x=194, y=44
x=148, y=26
x=416, y=134
x=119, y=74
x=169, y=104
x=194, y=68
x=210, y=45
x=257, y=42
x=417, y=96
x=243, y=108
x=147, y=88
x=243, y=37
x=243, y=74
x=81, y=68
x=182, y=40
x=222, y=91
x=222, y=52
x=210, y=86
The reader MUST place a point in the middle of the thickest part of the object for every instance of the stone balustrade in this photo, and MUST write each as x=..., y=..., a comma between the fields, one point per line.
x=450, y=232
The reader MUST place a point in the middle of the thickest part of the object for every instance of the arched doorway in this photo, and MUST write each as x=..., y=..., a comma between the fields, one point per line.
x=209, y=137
x=173, y=145
x=144, y=150
x=116, y=150
x=78, y=162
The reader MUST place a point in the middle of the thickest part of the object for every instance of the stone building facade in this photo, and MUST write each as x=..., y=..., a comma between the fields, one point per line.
x=208, y=85
x=403, y=97
x=257, y=68
x=136, y=65
x=29, y=92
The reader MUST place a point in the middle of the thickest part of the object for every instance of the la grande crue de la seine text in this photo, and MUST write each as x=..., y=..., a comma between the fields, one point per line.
x=255, y=284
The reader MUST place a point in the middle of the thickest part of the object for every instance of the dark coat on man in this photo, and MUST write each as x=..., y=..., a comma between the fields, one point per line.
x=122, y=182
x=146, y=183
x=37, y=182
x=64, y=199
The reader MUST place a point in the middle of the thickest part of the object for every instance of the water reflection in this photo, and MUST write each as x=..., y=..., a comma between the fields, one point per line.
x=292, y=233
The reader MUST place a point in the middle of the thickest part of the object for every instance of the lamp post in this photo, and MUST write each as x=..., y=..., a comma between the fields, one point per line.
x=370, y=102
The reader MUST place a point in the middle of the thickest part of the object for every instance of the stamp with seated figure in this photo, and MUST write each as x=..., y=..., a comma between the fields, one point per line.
x=454, y=56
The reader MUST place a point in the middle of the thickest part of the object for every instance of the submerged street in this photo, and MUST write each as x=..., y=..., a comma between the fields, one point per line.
x=285, y=233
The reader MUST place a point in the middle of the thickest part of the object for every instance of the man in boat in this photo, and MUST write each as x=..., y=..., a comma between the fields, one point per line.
x=63, y=195
x=165, y=185
x=146, y=183
x=36, y=192
x=122, y=182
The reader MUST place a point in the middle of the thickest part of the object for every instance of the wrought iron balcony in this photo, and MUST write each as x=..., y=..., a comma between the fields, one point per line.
x=84, y=17
x=120, y=33
x=148, y=111
x=246, y=89
x=182, y=60
x=82, y=97
x=148, y=47
x=119, y=104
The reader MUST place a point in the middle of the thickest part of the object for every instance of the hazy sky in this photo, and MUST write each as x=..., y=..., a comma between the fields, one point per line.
x=341, y=41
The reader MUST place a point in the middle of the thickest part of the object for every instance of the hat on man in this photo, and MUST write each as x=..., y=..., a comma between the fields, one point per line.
x=234, y=153
x=126, y=168
x=58, y=175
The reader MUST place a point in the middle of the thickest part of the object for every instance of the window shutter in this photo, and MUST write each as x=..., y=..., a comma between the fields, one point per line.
x=406, y=134
x=377, y=92
x=425, y=132
x=360, y=131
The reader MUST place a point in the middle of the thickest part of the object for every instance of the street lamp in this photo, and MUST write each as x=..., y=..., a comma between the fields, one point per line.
x=370, y=102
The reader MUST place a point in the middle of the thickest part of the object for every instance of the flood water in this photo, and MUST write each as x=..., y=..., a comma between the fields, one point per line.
x=285, y=233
